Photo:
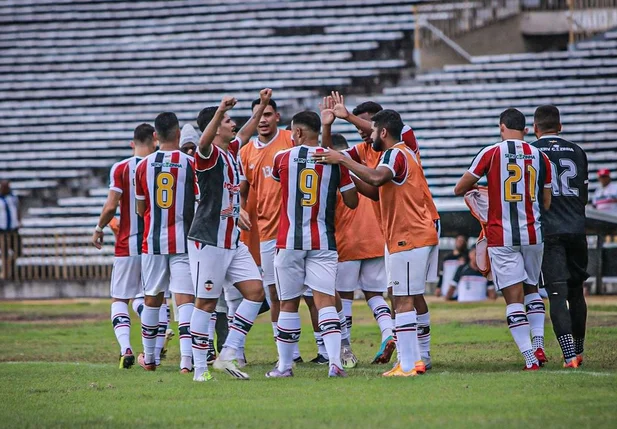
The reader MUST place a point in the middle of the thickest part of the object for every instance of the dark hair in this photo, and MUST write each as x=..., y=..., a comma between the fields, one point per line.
x=369, y=107
x=308, y=119
x=547, y=118
x=257, y=101
x=205, y=116
x=166, y=124
x=513, y=119
x=339, y=142
x=144, y=133
x=391, y=121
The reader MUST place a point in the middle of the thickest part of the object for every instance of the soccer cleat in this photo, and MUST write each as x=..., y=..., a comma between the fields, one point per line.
x=397, y=371
x=230, y=367
x=335, y=371
x=533, y=367
x=384, y=354
x=396, y=367
x=298, y=360
x=241, y=361
x=141, y=359
x=127, y=360
x=579, y=359
x=571, y=363
x=210, y=356
x=275, y=373
x=420, y=367
x=169, y=334
x=186, y=371
x=202, y=376
x=542, y=359
x=320, y=360
x=348, y=359
x=427, y=362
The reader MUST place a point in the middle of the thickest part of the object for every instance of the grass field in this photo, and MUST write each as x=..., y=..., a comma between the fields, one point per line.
x=58, y=367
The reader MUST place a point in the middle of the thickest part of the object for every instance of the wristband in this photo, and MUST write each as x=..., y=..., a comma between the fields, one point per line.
x=98, y=229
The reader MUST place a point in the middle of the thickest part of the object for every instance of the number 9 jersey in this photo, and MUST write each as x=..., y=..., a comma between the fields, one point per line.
x=516, y=173
x=165, y=180
x=308, y=191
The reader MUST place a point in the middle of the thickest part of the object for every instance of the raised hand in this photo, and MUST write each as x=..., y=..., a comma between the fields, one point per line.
x=227, y=103
x=265, y=95
x=327, y=116
x=339, y=108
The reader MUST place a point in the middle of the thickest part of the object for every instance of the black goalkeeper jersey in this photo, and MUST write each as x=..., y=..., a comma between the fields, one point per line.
x=569, y=186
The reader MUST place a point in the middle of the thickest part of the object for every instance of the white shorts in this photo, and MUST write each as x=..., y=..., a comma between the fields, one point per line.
x=267, y=249
x=295, y=270
x=366, y=274
x=126, y=277
x=230, y=292
x=432, y=275
x=162, y=273
x=407, y=271
x=514, y=264
x=212, y=266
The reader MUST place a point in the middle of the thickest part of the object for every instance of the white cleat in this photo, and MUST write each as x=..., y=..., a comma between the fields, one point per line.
x=230, y=367
x=202, y=375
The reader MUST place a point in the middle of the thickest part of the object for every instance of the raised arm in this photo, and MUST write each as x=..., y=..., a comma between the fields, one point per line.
x=249, y=129
x=205, y=142
x=341, y=112
x=327, y=119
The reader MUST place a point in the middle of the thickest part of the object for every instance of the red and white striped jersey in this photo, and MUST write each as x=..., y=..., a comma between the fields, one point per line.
x=516, y=174
x=165, y=180
x=308, y=191
x=131, y=227
x=219, y=176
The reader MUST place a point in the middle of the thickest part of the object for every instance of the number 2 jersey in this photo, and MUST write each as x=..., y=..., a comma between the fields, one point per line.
x=569, y=186
x=131, y=227
x=165, y=180
x=516, y=173
x=308, y=191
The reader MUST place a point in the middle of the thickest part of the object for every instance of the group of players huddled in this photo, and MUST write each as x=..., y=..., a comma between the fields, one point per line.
x=331, y=219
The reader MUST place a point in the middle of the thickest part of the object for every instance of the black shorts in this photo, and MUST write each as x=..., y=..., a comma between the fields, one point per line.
x=565, y=259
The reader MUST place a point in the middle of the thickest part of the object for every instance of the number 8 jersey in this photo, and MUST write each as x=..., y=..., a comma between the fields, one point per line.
x=516, y=173
x=308, y=191
x=165, y=180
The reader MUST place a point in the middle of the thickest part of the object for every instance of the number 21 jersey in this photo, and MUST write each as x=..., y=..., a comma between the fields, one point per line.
x=308, y=192
x=165, y=180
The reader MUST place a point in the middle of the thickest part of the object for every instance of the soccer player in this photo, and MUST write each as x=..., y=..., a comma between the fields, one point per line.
x=216, y=253
x=519, y=189
x=306, y=255
x=564, y=269
x=165, y=190
x=126, y=274
x=361, y=265
x=469, y=284
x=605, y=196
x=407, y=224
x=451, y=263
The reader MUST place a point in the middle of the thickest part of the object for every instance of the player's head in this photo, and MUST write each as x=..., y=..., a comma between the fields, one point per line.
x=339, y=142
x=366, y=111
x=5, y=187
x=460, y=243
x=143, y=137
x=167, y=128
x=270, y=118
x=546, y=120
x=226, y=130
x=387, y=128
x=604, y=176
x=512, y=124
x=188, y=139
x=305, y=127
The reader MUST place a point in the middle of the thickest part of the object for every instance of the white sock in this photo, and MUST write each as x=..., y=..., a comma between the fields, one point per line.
x=536, y=312
x=382, y=314
x=344, y=331
x=321, y=347
x=297, y=350
x=288, y=335
x=121, y=322
x=424, y=334
x=347, y=311
x=519, y=328
x=200, y=320
x=212, y=328
x=407, y=334
x=138, y=305
x=160, y=335
x=274, y=330
x=330, y=326
x=149, y=329
x=185, y=312
x=242, y=323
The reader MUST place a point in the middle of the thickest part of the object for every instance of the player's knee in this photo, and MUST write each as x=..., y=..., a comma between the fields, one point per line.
x=252, y=290
x=404, y=304
x=206, y=304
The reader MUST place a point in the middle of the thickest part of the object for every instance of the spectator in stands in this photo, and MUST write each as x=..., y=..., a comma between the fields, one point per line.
x=469, y=284
x=451, y=264
x=605, y=196
x=10, y=218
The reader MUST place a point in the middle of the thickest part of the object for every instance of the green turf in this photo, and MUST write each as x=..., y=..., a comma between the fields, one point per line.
x=58, y=369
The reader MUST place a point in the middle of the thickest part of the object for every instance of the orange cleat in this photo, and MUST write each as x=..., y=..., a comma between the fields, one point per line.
x=420, y=367
x=579, y=359
x=147, y=366
x=396, y=367
x=397, y=371
x=573, y=363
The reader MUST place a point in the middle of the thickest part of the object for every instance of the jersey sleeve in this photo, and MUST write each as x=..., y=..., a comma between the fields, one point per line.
x=346, y=182
x=276, y=166
x=394, y=160
x=115, y=177
x=141, y=187
x=241, y=169
x=203, y=162
x=549, y=170
x=353, y=153
x=481, y=163
x=409, y=138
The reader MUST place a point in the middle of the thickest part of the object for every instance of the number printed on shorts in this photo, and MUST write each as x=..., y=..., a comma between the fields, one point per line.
x=516, y=175
x=309, y=183
x=164, y=189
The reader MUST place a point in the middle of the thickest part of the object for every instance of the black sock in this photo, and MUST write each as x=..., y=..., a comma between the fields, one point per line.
x=578, y=313
x=579, y=346
x=567, y=346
